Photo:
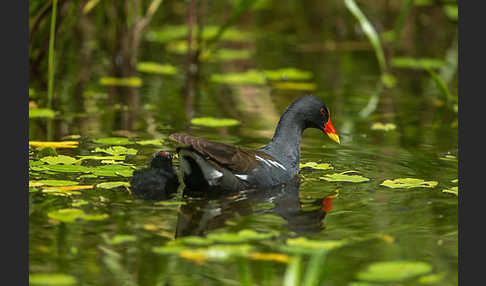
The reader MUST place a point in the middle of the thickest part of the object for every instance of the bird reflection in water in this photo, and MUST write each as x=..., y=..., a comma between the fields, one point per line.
x=202, y=214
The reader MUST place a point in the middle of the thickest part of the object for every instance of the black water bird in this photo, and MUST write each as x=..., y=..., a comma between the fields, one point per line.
x=158, y=182
x=223, y=166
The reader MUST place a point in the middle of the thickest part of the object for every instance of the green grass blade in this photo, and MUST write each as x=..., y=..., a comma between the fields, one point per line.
x=50, y=68
x=397, y=30
x=369, y=31
x=311, y=277
x=441, y=85
x=293, y=272
x=243, y=270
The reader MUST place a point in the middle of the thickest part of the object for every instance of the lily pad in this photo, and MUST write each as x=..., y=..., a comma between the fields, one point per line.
x=452, y=190
x=219, y=252
x=214, y=122
x=59, y=159
x=277, y=257
x=156, y=142
x=250, y=77
x=116, y=150
x=219, y=55
x=304, y=86
x=112, y=185
x=302, y=245
x=174, y=32
x=393, y=271
x=92, y=157
x=120, y=238
x=288, y=74
x=62, y=168
x=41, y=113
x=78, y=203
x=51, y=279
x=416, y=63
x=121, y=81
x=408, y=183
x=383, y=126
x=431, y=278
x=62, y=144
x=156, y=68
x=54, y=183
x=348, y=176
x=244, y=235
x=316, y=166
x=71, y=215
x=113, y=141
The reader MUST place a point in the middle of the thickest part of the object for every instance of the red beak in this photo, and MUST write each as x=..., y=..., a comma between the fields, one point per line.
x=331, y=132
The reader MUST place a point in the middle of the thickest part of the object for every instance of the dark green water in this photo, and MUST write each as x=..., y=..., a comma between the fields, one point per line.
x=420, y=223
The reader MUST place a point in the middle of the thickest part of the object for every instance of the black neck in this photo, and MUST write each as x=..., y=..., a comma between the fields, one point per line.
x=285, y=144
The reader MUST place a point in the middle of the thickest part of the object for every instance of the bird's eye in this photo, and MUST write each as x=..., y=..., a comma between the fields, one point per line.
x=322, y=111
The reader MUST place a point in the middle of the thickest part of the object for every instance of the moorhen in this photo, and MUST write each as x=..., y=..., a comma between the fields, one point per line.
x=158, y=181
x=222, y=166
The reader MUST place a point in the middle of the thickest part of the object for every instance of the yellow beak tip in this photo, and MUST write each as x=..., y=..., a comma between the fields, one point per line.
x=334, y=137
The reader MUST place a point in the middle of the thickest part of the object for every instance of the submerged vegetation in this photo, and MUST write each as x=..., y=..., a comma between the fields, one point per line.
x=111, y=80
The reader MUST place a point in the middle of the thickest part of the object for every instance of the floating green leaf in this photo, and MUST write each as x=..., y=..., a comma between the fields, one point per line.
x=127, y=81
x=78, y=203
x=112, y=171
x=250, y=77
x=71, y=215
x=303, y=242
x=408, y=183
x=219, y=55
x=294, y=86
x=170, y=203
x=347, y=176
x=214, y=122
x=59, y=159
x=41, y=112
x=113, y=141
x=316, y=166
x=384, y=127
x=54, y=183
x=431, y=278
x=196, y=240
x=119, y=239
x=288, y=74
x=112, y=185
x=168, y=249
x=174, y=32
x=452, y=190
x=51, y=279
x=219, y=252
x=62, y=168
x=91, y=157
x=416, y=63
x=116, y=150
x=244, y=235
x=156, y=68
x=392, y=271
x=156, y=142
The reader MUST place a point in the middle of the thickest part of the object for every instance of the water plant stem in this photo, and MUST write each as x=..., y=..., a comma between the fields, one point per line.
x=50, y=68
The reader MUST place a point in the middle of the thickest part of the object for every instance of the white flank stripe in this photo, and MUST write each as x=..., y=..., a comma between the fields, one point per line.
x=243, y=177
x=215, y=174
x=270, y=162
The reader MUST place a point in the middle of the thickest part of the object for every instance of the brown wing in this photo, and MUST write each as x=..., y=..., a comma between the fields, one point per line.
x=236, y=159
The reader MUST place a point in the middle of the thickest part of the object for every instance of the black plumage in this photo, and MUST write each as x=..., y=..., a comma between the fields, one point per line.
x=158, y=182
